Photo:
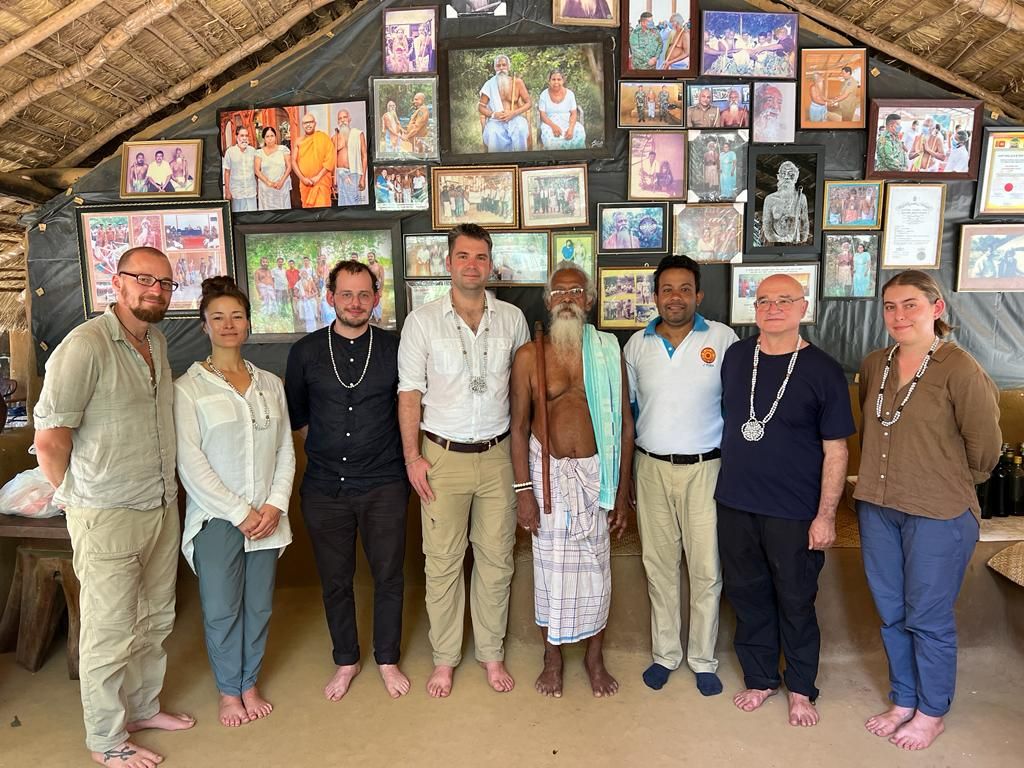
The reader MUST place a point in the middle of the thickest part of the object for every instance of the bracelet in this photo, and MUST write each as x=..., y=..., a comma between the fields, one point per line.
x=414, y=460
x=520, y=487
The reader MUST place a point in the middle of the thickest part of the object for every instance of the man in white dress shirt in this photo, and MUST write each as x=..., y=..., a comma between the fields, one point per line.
x=454, y=363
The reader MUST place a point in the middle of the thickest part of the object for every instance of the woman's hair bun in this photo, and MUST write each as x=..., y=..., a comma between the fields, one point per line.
x=213, y=286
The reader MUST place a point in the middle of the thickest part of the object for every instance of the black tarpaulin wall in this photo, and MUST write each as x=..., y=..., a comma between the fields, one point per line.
x=338, y=67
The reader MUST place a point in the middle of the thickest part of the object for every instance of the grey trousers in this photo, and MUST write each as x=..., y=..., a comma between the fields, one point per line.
x=236, y=590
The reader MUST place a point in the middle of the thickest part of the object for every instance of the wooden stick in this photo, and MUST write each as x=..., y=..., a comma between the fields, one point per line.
x=542, y=413
x=49, y=26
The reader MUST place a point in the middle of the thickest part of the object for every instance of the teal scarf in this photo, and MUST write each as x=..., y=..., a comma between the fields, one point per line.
x=602, y=380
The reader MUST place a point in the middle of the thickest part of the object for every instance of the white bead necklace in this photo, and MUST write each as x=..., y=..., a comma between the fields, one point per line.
x=913, y=384
x=753, y=429
x=334, y=366
x=259, y=393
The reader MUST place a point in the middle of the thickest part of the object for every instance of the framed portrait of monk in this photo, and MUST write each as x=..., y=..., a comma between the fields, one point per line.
x=405, y=118
x=585, y=13
x=786, y=185
x=535, y=98
x=295, y=156
x=659, y=38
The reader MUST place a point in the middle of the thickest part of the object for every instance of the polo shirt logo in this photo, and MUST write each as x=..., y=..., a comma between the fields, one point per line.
x=707, y=355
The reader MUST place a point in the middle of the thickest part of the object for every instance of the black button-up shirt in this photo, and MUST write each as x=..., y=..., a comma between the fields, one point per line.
x=353, y=444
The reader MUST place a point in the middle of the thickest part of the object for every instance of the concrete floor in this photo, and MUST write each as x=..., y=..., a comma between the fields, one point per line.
x=638, y=727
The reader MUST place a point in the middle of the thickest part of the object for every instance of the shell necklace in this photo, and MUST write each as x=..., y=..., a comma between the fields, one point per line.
x=753, y=429
x=913, y=384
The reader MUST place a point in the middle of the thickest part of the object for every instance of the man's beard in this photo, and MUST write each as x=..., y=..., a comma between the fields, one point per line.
x=348, y=323
x=147, y=315
x=343, y=131
x=567, y=332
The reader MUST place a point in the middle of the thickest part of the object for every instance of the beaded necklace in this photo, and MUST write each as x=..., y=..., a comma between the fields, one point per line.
x=259, y=393
x=913, y=384
x=334, y=366
x=753, y=429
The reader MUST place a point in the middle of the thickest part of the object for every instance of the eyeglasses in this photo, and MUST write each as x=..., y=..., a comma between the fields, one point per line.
x=148, y=280
x=571, y=293
x=782, y=304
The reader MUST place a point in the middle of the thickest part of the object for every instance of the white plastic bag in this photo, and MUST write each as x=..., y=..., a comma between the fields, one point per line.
x=28, y=494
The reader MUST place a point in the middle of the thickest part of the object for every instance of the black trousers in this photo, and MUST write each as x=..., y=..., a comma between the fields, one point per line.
x=379, y=517
x=771, y=579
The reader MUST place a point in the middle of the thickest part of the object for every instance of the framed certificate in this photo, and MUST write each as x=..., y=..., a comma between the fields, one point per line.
x=913, y=225
x=1001, y=182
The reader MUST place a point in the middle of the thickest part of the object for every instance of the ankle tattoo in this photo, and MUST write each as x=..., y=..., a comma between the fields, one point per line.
x=122, y=753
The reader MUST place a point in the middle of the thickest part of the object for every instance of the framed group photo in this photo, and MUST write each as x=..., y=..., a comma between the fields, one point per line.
x=933, y=139
x=913, y=225
x=555, y=196
x=578, y=247
x=410, y=40
x=426, y=257
x=633, y=228
x=991, y=258
x=786, y=187
x=709, y=233
x=645, y=104
x=850, y=265
x=625, y=298
x=832, y=88
x=484, y=195
x=747, y=277
x=401, y=187
x=659, y=38
x=774, y=120
x=1001, y=182
x=717, y=162
x=852, y=205
x=519, y=258
x=717, y=105
x=168, y=169
x=405, y=118
x=749, y=44
x=657, y=165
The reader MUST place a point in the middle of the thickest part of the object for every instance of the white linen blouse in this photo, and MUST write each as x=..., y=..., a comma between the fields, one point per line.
x=227, y=466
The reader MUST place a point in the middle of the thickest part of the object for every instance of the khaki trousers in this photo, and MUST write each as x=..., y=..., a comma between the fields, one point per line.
x=473, y=503
x=127, y=563
x=676, y=514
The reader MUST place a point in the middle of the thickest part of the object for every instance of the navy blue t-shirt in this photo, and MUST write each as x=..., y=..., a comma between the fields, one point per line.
x=780, y=475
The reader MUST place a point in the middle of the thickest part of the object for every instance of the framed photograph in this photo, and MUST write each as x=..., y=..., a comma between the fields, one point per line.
x=923, y=139
x=484, y=195
x=420, y=292
x=657, y=165
x=717, y=166
x=410, y=40
x=458, y=9
x=278, y=158
x=578, y=247
x=1001, y=182
x=650, y=105
x=578, y=13
x=709, y=233
x=714, y=105
x=852, y=205
x=401, y=187
x=659, y=38
x=161, y=168
x=774, y=119
x=405, y=118
x=286, y=266
x=555, y=196
x=747, y=277
x=786, y=186
x=833, y=88
x=556, y=88
x=850, y=265
x=195, y=236
x=913, y=225
x=519, y=258
x=991, y=258
x=742, y=44
x=425, y=257
x=625, y=298
x=633, y=228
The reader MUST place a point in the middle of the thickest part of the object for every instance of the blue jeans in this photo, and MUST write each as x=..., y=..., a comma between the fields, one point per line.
x=915, y=567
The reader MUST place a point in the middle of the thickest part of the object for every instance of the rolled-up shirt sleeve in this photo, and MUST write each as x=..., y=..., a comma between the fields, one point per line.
x=412, y=357
x=71, y=375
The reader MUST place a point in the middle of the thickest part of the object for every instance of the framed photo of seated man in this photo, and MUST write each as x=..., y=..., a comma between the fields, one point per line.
x=543, y=98
x=161, y=168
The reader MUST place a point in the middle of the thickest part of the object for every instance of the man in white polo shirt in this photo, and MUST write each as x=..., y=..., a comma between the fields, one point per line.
x=674, y=370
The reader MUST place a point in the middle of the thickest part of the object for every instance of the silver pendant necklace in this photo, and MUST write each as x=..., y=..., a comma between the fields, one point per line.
x=334, y=366
x=753, y=429
x=477, y=384
x=913, y=384
x=259, y=393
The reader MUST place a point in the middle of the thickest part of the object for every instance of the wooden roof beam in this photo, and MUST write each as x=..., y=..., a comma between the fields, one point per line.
x=51, y=25
x=224, y=22
x=200, y=40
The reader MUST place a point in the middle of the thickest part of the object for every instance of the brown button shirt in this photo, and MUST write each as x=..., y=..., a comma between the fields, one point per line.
x=946, y=440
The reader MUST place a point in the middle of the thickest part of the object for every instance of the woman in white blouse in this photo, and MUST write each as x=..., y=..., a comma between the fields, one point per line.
x=237, y=461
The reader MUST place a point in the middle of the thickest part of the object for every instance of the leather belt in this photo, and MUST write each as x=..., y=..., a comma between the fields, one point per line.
x=451, y=445
x=683, y=458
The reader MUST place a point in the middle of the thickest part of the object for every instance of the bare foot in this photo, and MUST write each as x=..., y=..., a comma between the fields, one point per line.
x=498, y=677
x=255, y=705
x=549, y=682
x=163, y=721
x=601, y=681
x=396, y=683
x=338, y=685
x=801, y=711
x=919, y=733
x=128, y=755
x=750, y=699
x=886, y=723
x=232, y=711
x=440, y=683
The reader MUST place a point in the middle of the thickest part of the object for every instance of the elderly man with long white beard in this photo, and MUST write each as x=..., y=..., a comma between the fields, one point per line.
x=572, y=457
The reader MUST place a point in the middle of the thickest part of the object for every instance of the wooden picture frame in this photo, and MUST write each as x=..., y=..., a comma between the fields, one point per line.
x=849, y=265
x=724, y=110
x=632, y=228
x=666, y=178
x=578, y=247
x=914, y=214
x=786, y=185
x=571, y=13
x=179, y=174
x=409, y=24
x=854, y=204
x=656, y=112
x=745, y=278
x=1001, y=181
x=833, y=88
x=625, y=298
x=991, y=259
x=554, y=196
x=888, y=147
x=477, y=194
x=638, y=40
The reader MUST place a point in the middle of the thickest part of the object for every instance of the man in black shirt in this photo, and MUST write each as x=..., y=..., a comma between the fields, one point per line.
x=342, y=384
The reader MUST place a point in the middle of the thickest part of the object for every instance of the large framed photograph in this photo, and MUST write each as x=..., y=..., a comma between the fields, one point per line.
x=286, y=266
x=913, y=225
x=923, y=139
x=484, y=195
x=625, y=298
x=401, y=187
x=852, y=205
x=650, y=105
x=991, y=258
x=555, y=196
x=425, y=257
x=833, y=88
x=195, y=236
x=747, y=277
x=774, y=120
x=410, y=40
x=579, y=248
x=165, y=169
x=633, y=228
x=301, y=156
x=405, y=118
x=749, y=44
x=718, y=105
x=709, y=233
x=657, y=165
x=534, y=97
x=717, y=166
x=850, y=265
x=519, y=258
x=585, y=13
x=786, y=187
x=659, y=38
x=1001, y=182
x=420, y=292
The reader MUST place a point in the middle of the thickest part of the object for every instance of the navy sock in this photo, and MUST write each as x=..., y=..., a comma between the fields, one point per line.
x=655, y=676
x=708, y=684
